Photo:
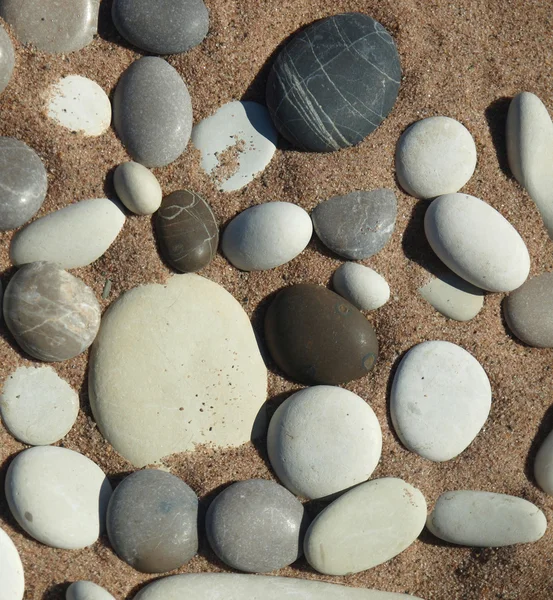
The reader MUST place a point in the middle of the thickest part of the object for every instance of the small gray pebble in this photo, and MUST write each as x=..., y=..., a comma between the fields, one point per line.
x=86, y=590
x=7, y=59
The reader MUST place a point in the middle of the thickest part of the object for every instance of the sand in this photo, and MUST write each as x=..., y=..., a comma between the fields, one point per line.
x=463, y=59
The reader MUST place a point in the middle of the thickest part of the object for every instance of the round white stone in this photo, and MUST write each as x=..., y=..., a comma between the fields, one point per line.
x=435, y=156
x=138, y=188
x=543, y=465
x=173, y=366
x=80, y=104
x=362, y=286
x=440, y=399
x=12, y=578
x=266, y=236
x=86, y=590
x=485, y=519
x=58, y=496
x=477, y=242
x=72, y=237
x=37, y=406
x=365, y=527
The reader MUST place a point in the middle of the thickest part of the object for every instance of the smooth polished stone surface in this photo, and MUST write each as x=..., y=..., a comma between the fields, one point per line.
x=7, y=59
x=317, y=337
x=543, y=465
x=256, y=526
x=360, y=285
x=23, y=183
x=11, y=570
x=365, y=527
x=190, y=374
x=485, y=519
x=58, y=496
x=477, y=242
x=55, y=26
x=187, y=231
x=161, y=26
x=152, y=521
x=138, y=188
x=152, y=112
x=37, y=406
x=86, y=590
x=334, y=82
x=323, y=440
x=266, y=236
x=53, y=315
x=356, y=225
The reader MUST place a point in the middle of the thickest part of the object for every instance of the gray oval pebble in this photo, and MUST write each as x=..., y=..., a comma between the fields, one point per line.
x=7, y=59
x=86, y=590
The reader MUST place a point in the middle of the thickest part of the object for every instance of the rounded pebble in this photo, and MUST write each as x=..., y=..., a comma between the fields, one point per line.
x=360, y=285
x=7, y=59
x=86, y=590
x=543, y=465
x=138, y=188
x=11, y=570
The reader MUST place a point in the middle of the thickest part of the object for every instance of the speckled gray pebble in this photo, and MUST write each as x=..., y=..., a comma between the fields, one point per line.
x=152, y=521
x=256, y=526
x=23, y=183
x=7, y=59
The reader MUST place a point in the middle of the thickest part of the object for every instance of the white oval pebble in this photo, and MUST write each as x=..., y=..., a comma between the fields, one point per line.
x=37, y=406
x=266, y=236
x=138, y=188
x=86, y=590
x=440, y=399
x=485, y=519
x=363, y=287
x=323, y=440
x=12, y=578
x=543, y=465
x=72, y=237
x=58, y=496
x=477, y=242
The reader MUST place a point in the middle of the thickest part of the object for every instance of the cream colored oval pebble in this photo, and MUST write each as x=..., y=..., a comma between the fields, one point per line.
x=138, y=188
x=86, y=590
x=12, y=578
x=363, y=287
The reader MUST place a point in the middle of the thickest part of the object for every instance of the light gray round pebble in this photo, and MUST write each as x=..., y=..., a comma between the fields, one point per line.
x=86, y=590
x=363, y=287
x=138, y=188
x=12, y=577
x=7, y=59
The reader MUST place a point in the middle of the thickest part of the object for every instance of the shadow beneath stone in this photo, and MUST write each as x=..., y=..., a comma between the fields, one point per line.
x=428, y=538
x=544, y=429
x=496, y=116
x=56, y=592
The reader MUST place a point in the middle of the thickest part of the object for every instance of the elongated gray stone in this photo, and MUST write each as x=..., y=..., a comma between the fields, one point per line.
x=543, y=465
x=7, y=59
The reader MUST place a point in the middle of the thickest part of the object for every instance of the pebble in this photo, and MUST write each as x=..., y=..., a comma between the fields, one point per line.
x=152, y=521
x=37, y=406
x=435, y=156
x=267, y=236
x=191, y=373
x=360, y=285
x=543, y=465
x=477, y=242
x=54, y=26
x=440, y=400
x=161, y=26
x=317, y=337
x=74, y=236
x=334, y=82
x=23, y=183
x=357, y=225
x=7, y=61
x=529, y=138
x=11, y=570
x=86, y=590
x=236, y=144
x=485, y=519
x=80, y=105
x=256, y=526
x=187, y=231
x=152, y=112
x=323, y=440
x=365, y=527
x=138, y=188
x=52, y=315
x=58, y=496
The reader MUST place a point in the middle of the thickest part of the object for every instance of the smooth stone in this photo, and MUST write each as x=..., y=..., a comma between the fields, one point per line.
x=476, y=242
x=360, y=285
x=440, y=400
x=365, y=527
x=138, y=188
x=23, y=183
x=323, y=440
x=435, y=156
x=543, y=465
x=317, y=337
x=357, y=225
x=529, y=137
x=485, y=519
x=236, y=144
x=152, y=521
x=191, y=373
x=52, y=315
x=86, y=590
x=74, y=236
x=7, y=60
x=231, y=586
x=152, y=112
x=37, y=406
x=187, y=231
x=256, y=526
x=54, y=26
x=334, y=82
x=452, y=296
x=58, y=496
x=11, y=570
x=266, y=236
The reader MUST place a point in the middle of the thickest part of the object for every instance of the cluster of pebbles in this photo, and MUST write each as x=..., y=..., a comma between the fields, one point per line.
x=331, y=85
